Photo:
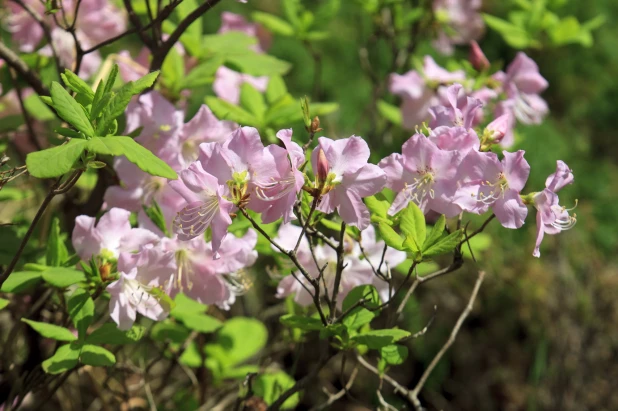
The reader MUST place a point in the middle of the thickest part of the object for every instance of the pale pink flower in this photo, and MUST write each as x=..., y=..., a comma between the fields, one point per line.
x=205, y=279
x=205, y=205
x=350, y=179
x=278, y=180
x=551, y=218
x=523, y=83
x=25, y=30
x=236, y=22
x=228, y=82
x=110, y=236
x=490, y=182
x=424, y=174
x=463, y=20
x=139, y=286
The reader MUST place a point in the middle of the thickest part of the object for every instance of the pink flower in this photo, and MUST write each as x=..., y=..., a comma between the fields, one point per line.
x=204, y=127
x=523, y=83
x=227, y=84
x=551, y=218
x=477, y=58
x=418, y=92
x=459, y=109
x=130, y=68
x=351, y=277
x=236, y=22
x=99, y=20
x=206, y=280
x=464, y=23
x=206, y=207
x=350, y=179
x=424, y=174
x=489, y=182
x=139, y=286
x=26, y=32
x=278, y=180
x=110, y=236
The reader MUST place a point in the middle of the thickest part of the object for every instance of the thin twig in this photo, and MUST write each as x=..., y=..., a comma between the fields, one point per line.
x=413, y=394
x=338, y=272
x=332, y=398
x=13, y=61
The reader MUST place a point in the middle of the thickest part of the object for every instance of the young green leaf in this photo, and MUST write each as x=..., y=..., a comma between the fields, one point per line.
x=445, y=245
x=377, y=205
x=412, y=224
x=135, y=153
x=275, y=90
x=301, y=322
x=155, y=214
x=114, y=108
x=51, y=331
x=111, y=79
x=240, y=338
x=70, y=110
x=252, y=100
x=256, y=64
x=201, y=322
x=390, y=112
x=394, y=354
x=390, y=237
x=57, y=252
x=55, y=161
x=81, y=310
x=145, y=82
x=109, y=333
x=225, y=110
x=270, y=385
x=376, y=339
x=273, y=23
x=19, y=281
x=78, y=85
x=63, y=277
x=435, y=233
x=96, y=356
x=98, y=94
x=63, y=360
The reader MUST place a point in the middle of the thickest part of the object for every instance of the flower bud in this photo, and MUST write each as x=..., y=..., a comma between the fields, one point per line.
x=323, y=168
x=498, y=128
x=477, y=57
x=315, y=125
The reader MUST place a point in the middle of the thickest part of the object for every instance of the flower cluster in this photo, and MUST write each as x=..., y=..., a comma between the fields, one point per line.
x=94, y=21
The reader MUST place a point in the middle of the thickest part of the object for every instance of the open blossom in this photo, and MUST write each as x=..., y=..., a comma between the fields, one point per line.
x=462, y=20
x=228, y=82
x=350, y=178
x=110, y=236
x=25, y=30
x=139, y=286
x=490, y=182
x=277, y=188
x=419, y=92
x=424, y=174
x=551, y=218
x=350, y=278
x=205, y=205
x=522, y=84
x=205, y=279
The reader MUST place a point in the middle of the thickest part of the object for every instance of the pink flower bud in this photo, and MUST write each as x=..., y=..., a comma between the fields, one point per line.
x=499, y=127
x=323, y=167
x=477, y=57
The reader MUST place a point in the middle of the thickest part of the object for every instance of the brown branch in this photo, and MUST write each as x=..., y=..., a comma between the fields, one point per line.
x=413, y=394
x=17, y=64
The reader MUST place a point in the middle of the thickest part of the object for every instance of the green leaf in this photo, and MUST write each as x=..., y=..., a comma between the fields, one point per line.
x=239, y=339
x=394, y=354
x=390, y=112
x=445, y=245
x=185, y=305
x=378, y=205
x=76, y=84
x=169, y=331
x=269, y=386
x=97, y=108
x=173, y=69
x=301, y=322
x=20, y=280
x=435, y=234
x=275, y=90
x=96, y=356
x=98, y=94
x=62, y=277
x=50, y=331
x=109, y=333
x=68, y=132
x=273, y=23
x=145, y=82
x=81, y=310
x=317, y=35
x=70, y=110
x=57, y=252
x=202, y=74
x=111, y=79
x=63, y=360
x=390, y=237
x=201, y=322
x=231, y=42
x=515, y=36
x=360, y=315
x=155, y=214
x=55, y=161
x=134, y=152
x=191, y=356
x=224, y=110
x=376, y=339
x=257, y=64
x=114, y=108
x=3, y=303
x=252, y=100
x=412, y=224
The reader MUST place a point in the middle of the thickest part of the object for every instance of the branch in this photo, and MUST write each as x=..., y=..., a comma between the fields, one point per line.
x=338, y=272
x=332, y=398
x=158, y=55
x=17, y=64
x=413, y=394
